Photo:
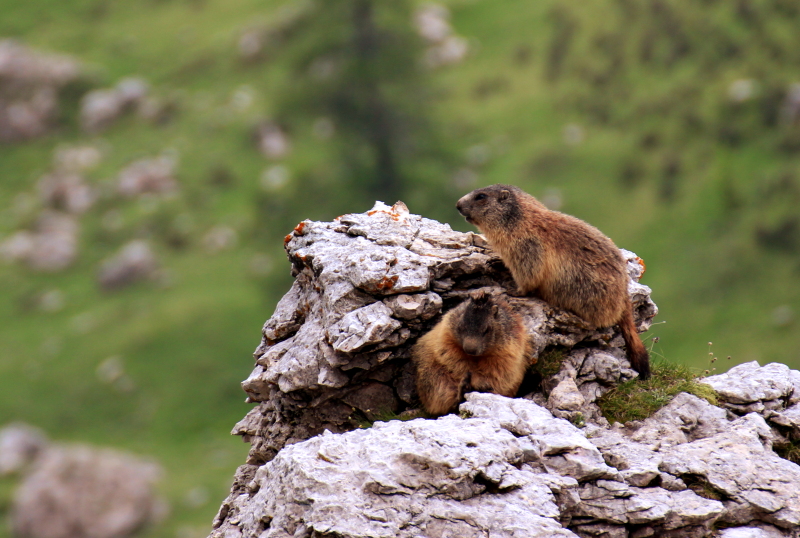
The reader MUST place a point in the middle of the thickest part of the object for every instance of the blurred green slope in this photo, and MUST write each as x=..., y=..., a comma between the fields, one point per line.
x=620, y=109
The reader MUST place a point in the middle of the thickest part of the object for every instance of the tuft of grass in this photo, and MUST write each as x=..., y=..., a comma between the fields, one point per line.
x=385, y=415
x=702, y=488
x=790, y=451
x=637, y=400
x=549, y=362
x=579, y=421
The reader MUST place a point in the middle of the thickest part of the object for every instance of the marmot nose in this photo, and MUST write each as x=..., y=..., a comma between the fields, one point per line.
x=459, y=207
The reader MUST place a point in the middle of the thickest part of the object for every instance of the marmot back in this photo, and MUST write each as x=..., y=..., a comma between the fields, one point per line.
x=559, y=258
x=479, y=345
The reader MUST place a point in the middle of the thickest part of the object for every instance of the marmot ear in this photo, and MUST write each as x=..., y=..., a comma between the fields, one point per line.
x=504, y=195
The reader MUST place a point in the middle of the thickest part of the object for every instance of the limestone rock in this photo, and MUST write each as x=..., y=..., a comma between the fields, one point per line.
x=558, y=446
x=148, y=176
x=29, y=85
x=134, y=262
x=82, y=492
x=748, y=387
x=757, y=531
x=740, y=465
x=52, y=246
x=100, y=108
x=686, y=418
x=20, y=444
x=66, y=191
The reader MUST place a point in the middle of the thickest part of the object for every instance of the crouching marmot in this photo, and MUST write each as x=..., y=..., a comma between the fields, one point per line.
x=559, y=258
x=479, y=345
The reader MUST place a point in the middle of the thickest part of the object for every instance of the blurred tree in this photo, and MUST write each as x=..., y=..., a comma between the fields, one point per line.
x=358, y=80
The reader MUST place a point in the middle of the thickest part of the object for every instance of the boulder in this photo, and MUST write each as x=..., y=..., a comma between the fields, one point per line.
x=29, y=90
x=85, y=492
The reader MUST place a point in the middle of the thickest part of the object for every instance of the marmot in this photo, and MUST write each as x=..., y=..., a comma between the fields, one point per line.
x=559, y=258
x=479, y=345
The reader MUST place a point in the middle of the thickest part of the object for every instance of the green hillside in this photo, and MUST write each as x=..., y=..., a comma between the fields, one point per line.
x=667, y=125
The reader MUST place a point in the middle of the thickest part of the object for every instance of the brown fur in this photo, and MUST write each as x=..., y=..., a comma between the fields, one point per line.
x=479, y=345
x=559, y=258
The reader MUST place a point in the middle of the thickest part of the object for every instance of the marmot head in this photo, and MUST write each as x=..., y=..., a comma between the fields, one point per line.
x=492, y=207
x=481, y=323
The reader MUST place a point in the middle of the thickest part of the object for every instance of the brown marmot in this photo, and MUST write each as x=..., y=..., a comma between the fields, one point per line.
x=558, y=258
x=479, y=345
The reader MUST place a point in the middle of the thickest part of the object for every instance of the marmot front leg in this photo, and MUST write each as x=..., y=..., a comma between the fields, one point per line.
x=439, y=391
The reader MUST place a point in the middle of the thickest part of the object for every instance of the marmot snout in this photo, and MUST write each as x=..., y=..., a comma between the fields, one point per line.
x=559, y=258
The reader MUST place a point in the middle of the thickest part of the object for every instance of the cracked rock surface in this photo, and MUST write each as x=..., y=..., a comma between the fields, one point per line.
x=335, y=356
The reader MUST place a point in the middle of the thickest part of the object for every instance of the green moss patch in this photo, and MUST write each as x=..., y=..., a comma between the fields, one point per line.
x=637, y=400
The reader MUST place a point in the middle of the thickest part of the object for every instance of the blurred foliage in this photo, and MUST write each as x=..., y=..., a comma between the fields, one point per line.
x=355, y=64
x=672, y=127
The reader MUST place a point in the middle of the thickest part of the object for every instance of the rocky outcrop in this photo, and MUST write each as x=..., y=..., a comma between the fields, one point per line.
x=334, y=357
x=336, y=351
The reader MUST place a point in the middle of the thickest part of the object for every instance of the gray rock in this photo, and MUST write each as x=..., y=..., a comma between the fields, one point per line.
x=402, y=479
x=566, y=396
x=749, y=387
x=101, y=108
x=788, y=418
x=134, y=262
x=67, y=191
x=82, y=492
x=148, y=176
x=667, y=513
x=421, y=306
x=686, y=418
x=759, y=531
x=20, y=445
x=51, y=247
x=636, y=462
x=362, y=327
x=29, y=84
x=740, y=465
x=557, y=445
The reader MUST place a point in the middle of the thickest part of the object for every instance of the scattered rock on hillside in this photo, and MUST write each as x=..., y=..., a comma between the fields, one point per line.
x=134, y=262
x=272, y=140
x=432, y=22
x=101, y=108
x=66, y=191
x=52, y=246
x=20, y=444
x=76, y=491
x=148, y=176
x=83, y=492
x=29, y=85
x=76, y=158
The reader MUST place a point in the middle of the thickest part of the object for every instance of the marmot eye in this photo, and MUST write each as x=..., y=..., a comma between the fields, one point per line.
x=480, y=196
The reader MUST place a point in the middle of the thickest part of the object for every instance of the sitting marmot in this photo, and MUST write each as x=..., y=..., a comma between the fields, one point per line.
x=479, y=345
x=558, y=258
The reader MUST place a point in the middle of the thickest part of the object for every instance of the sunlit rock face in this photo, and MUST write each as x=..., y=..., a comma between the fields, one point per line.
x=334, y=358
